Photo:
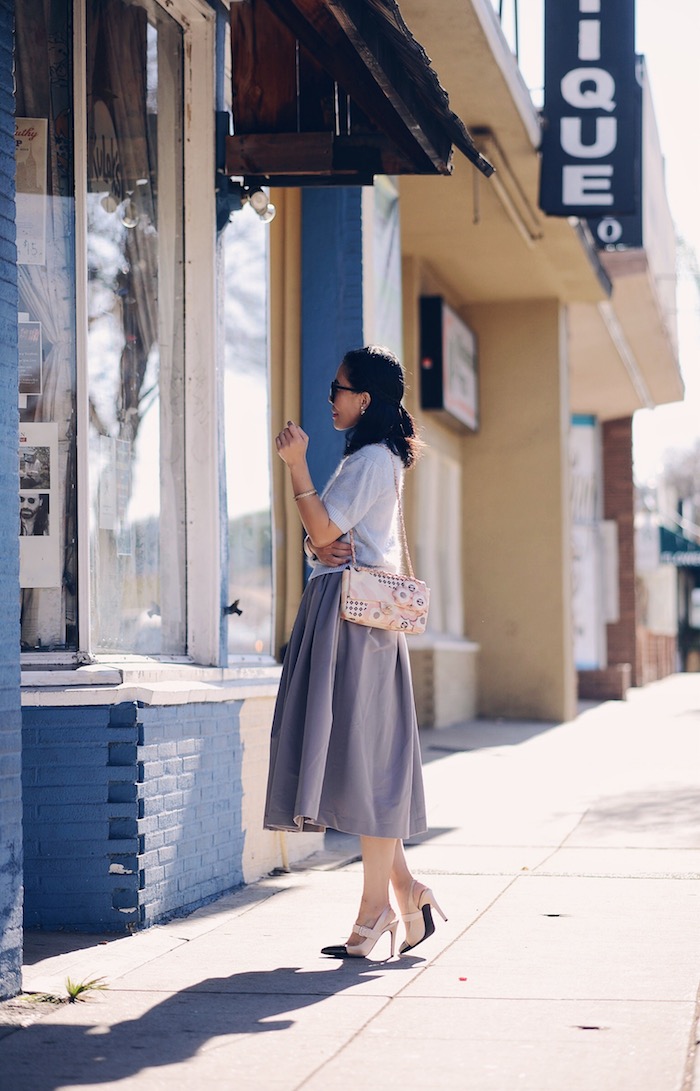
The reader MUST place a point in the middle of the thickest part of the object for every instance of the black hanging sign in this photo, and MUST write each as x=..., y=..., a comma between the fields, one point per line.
x=589, y=142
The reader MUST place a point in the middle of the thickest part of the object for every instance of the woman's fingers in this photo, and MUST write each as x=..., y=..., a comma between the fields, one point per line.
x=291, y=443
x=291, y=434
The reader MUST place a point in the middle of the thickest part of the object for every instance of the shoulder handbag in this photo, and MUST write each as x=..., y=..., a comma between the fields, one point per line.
x=385, y=600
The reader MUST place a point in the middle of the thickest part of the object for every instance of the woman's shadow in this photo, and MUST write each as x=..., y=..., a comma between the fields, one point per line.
x=50, y=1055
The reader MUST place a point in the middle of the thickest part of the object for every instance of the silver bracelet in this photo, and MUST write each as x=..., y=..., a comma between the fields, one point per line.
x=303, y=495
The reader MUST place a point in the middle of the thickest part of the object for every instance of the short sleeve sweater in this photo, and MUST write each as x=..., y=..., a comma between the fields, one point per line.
x=361, y=495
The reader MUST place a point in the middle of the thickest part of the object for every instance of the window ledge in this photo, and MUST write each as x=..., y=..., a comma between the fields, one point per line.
x=149, y=683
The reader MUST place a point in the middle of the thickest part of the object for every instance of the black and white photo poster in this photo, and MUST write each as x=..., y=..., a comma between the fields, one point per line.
x=39, y=523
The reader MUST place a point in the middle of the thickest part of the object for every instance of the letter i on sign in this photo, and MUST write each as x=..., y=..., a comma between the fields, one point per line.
x=589, y=31
x=589, y=40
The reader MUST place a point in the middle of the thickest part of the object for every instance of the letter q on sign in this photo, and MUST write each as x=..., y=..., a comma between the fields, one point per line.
x=598, y=97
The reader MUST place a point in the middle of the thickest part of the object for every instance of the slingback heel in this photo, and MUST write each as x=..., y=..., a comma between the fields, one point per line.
x=387, y=923
x=420, y=925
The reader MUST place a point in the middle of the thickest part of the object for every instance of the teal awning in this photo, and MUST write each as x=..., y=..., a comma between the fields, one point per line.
x=678, y=550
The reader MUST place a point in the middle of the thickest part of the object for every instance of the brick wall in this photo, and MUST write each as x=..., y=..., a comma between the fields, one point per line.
x=131, y=814
x=331, y=307
x=80, y=818
x=618, y=500
x=190, y=806
x=657, y=655
x=135, y=814
x=10, y=734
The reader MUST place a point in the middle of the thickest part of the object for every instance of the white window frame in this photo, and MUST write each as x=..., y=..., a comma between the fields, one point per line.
x=202, y=471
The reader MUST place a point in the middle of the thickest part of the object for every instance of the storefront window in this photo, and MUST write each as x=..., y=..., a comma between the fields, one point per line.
x=247, y=423
x=135, y=344
x=103, y=142
x=46, y=272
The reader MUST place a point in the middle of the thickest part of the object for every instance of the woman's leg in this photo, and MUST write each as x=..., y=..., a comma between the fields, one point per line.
x=403, y=882
x=378, y=855
x=384, y=861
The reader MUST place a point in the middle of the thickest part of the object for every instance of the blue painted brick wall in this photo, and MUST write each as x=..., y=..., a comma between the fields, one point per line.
x=80, y=818
x=132, y=814
x=190, y=800
x=10, y=721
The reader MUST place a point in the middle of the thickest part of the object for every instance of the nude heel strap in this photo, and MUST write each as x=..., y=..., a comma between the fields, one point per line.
x=373, y=934
x=420, y=925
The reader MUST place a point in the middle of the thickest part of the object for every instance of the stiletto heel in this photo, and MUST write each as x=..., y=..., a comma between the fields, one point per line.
x=362, y=950
x=420, y=925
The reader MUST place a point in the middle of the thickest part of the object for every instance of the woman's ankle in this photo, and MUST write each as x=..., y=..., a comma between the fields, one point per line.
x=370, y=912
x=407, y=893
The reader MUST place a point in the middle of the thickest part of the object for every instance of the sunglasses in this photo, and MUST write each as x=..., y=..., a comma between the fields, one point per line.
x=336, y=386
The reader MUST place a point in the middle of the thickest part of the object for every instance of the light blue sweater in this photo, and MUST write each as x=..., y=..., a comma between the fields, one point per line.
x=362, y=494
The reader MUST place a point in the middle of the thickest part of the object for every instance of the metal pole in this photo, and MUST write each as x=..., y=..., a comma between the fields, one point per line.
x=517, y=35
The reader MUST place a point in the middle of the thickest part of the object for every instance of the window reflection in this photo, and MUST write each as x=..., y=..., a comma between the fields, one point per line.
x=247, y=414
x=46, y=274
x=135, y=329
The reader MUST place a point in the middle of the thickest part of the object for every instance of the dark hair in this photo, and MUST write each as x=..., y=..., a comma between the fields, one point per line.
x=379, y=372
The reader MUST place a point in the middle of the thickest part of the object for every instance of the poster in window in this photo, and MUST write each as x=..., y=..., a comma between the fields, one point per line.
x=30, y=159
x=30, y=357
x=39, y=522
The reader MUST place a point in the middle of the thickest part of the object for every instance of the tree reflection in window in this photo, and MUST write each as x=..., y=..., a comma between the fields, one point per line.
x=135, y=334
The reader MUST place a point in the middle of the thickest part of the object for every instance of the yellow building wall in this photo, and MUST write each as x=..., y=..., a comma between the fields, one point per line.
x=516, y=525
x=285, y=396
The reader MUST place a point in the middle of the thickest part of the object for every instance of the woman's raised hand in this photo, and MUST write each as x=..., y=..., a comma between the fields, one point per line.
x=291, y=444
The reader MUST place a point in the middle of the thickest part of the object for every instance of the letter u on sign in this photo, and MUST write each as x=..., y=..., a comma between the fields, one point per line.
x=605, y=137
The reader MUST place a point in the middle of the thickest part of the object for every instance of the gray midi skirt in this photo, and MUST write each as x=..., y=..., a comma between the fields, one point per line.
x=344, y=751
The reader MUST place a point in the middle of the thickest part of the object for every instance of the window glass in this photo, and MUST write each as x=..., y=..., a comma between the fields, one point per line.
x=46, y=274
x=247, y=425
x=135, y=328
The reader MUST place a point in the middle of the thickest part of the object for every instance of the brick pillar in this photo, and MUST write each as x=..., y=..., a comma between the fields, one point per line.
x=10, y=725
x=618, y=498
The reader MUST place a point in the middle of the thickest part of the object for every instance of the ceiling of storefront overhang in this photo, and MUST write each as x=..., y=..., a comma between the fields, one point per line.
x=622, y=355
x=514, y=251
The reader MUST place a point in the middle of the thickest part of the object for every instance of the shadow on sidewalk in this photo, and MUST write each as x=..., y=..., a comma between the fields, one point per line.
x=41, y=945
x=441, y=742
x=650, y=811
x=50, y=1055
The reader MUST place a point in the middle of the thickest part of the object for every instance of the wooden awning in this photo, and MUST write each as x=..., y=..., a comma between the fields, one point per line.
x=334, y=92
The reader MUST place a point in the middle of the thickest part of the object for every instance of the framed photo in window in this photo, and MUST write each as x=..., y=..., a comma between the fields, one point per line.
x=39, y=523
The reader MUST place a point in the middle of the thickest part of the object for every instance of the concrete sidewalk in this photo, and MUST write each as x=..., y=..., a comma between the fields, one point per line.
x=566, y=858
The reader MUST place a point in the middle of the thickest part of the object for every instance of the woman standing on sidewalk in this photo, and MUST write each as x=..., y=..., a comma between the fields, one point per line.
x=344, y=749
